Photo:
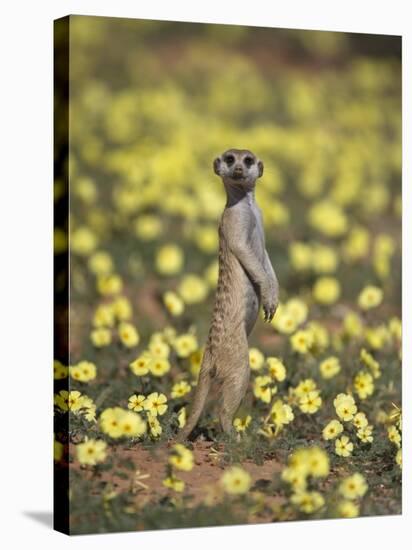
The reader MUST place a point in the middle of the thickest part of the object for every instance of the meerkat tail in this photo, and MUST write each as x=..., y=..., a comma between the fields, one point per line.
x=199, y=400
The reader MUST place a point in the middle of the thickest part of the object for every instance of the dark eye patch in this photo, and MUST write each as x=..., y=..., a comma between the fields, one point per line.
x=249, y=161
x=229, y=159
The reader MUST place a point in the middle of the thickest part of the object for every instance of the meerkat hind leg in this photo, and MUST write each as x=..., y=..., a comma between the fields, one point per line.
x=233, y=391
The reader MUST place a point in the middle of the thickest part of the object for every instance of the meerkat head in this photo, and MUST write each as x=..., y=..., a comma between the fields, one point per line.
x=238, y=167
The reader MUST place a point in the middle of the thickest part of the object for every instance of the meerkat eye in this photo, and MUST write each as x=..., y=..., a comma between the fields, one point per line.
x=229, y=159
x=249, y=161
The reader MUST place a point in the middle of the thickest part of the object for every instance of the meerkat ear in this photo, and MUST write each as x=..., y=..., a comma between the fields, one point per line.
x=260, y=168
x=216, y=165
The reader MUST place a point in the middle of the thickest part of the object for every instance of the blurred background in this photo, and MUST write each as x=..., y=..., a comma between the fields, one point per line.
x=153, y=103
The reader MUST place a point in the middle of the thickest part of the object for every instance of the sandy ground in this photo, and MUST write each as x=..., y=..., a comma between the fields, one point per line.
x=150, y=470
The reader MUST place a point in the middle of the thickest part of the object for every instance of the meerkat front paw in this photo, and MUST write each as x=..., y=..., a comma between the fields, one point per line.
x=270, y=304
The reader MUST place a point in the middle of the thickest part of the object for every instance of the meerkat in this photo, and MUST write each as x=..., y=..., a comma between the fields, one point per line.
x=246, y=281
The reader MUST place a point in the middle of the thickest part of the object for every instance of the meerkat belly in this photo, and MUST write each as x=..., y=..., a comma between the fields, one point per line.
x=244, y=300
x=236, y=308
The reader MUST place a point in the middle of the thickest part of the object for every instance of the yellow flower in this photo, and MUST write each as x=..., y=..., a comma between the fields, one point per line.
x=284, y=322
x=85, y=190
x=320, y=336
x=297, y=309
x=296, y=477
x=159, y=348
x=363, y=384
x=345, y=407
x=281, y=413
x=122, y=308
x=117, y=422
x=174, y=483
x=370, y=297
x=181, y=417
x=302, y=341
x=398, y=458
x=394, y=435
x=300, y=255
x=185, y=344
x=360, y=420
x=128, y=335
x=180, y=389
x=356, y=245
x=83, y=371
x=206, y=238
x=332, y=430
x=59, y=370
x=58, y=449
x=131, y=424
x=308, y=501
x=395, y=328
x=109, y=285
x=276, y=368
x=88, y=408
x=211, y=274
x=60, y=241
x=304, y=387
x=310, y=461
x=240, y=424
x=154, y=425
x=169, y=259
x=103, y=316
x=236, y=481
x=140, y=366
x=317, y=462
x=136, y=402
x=110, y=421
x=158, y=366
x=181, y=458
x=173, y=303
x=101, y=337
x=326, y=290
x=196, y=361
x=352, y=325
x=324, y=259
x=262, y=389
x=155, y=403
x=193, y=289
x=91, y=451
x=368, y=360
x=310, y=402
x=343, y=446
x=396, y=416
x=328, y=218
x=69, y=401
x=75, y=373
x=83, y=241
x=329, y=367
x=256, y=359
x=365, y=434
x=100, y=263
x=148, y=227
x=377, y=337
x=353, y=487
x=348, y=509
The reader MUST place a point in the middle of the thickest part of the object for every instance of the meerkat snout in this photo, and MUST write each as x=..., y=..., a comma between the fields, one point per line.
x=237, y=166
x=237, y=172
